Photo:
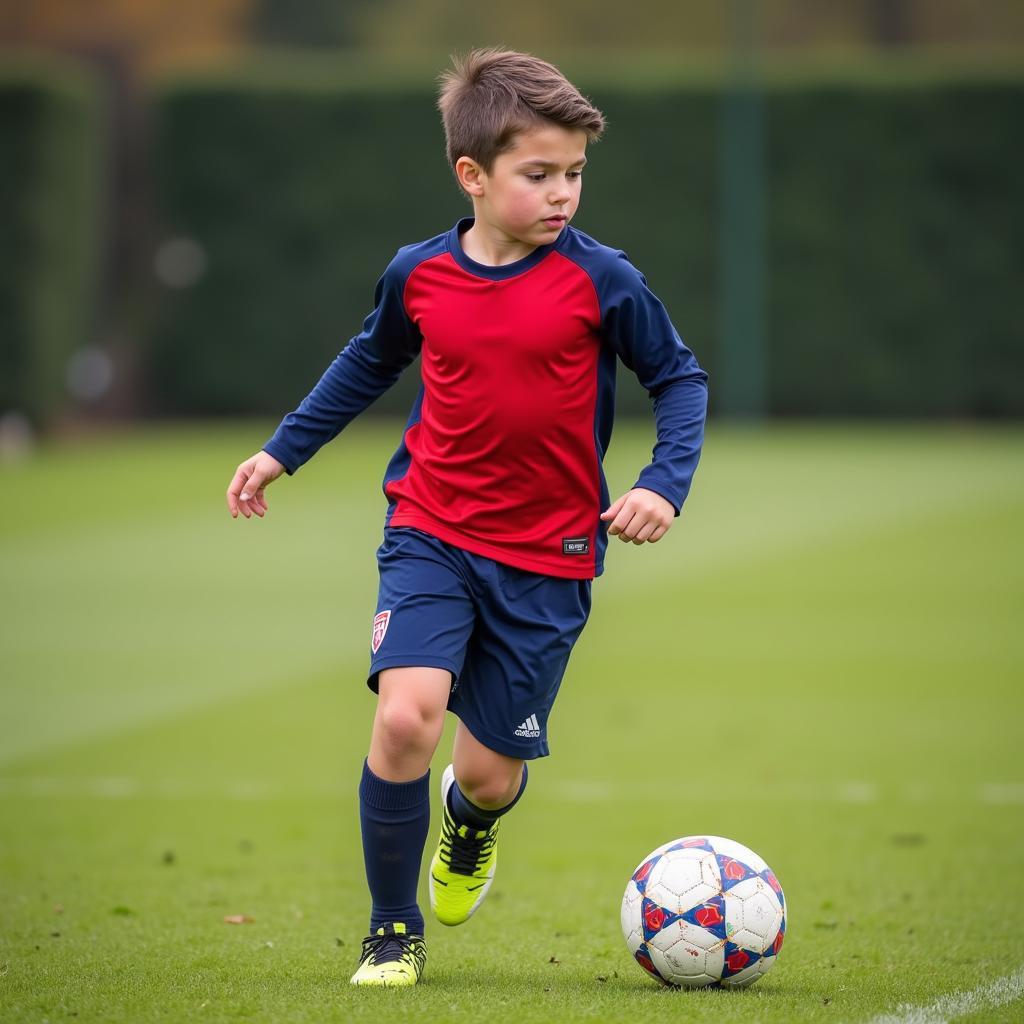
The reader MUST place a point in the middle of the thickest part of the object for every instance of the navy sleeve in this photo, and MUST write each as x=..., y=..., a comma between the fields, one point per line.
x=368, y=365
x=638, y=327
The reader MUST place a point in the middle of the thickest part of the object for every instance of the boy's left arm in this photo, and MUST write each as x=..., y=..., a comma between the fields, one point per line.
x=639, y=329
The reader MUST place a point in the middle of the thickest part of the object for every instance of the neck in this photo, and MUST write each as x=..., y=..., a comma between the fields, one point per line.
x=485, y=244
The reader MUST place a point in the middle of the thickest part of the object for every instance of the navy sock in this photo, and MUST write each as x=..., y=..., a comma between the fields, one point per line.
x=395, y=817
x=480, y=818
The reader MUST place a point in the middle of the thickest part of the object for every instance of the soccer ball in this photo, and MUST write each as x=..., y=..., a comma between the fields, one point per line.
x=704, y=911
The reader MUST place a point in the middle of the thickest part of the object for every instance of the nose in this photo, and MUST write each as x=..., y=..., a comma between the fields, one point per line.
x=560, y=194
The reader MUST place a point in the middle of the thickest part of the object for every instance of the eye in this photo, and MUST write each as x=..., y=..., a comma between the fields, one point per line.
x=536, y=176
x=575, y=174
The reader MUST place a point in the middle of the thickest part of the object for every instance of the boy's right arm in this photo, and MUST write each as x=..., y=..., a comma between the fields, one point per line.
x=370, y=364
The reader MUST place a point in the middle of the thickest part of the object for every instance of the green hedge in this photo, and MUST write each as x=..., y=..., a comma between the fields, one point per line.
x=49, y=201
x=298, y=199
x=894, y=209
x=896, y=215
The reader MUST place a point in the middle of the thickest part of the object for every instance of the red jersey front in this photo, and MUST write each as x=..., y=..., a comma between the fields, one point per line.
x=502, y=460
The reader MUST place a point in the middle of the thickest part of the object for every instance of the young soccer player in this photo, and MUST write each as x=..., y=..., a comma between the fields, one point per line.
x=498, y=512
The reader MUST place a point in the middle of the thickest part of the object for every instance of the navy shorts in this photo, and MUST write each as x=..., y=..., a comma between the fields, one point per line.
x=504, y=634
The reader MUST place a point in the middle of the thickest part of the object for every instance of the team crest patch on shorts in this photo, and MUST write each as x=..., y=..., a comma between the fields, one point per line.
x=380, y=627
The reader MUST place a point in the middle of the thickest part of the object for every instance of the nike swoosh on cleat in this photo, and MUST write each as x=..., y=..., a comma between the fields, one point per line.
x=438, y=880
x=473, y=888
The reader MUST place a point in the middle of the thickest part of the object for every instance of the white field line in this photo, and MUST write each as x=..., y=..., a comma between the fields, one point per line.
x=580, y=791
x=959, y=1004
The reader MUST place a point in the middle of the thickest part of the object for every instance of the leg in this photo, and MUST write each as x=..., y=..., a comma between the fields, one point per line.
x=463, y=866
x=490, y=782
x=525, y=630
x=407, y=726
x=394, y=795
x=394, y=812
x=423, y=612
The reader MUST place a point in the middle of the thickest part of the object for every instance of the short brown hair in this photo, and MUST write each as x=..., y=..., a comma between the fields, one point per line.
x=489, y=96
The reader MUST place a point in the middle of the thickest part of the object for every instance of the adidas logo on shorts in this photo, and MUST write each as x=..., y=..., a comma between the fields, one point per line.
x=530, y=729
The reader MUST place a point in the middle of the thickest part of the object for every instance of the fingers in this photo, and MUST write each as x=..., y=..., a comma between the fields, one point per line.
x=620, y=513
x=258, y=504
x=641, y=517
x=235, y=488
x=630, y=520
x=619, y=524
x=245, y=493
x=644, y=533
x=631, y=530
x=612, y=511
x=252, y=500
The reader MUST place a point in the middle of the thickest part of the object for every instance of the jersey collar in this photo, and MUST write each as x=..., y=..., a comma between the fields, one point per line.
x=496, y=273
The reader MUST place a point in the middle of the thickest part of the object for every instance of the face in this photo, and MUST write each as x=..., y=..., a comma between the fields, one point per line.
x=533, y=189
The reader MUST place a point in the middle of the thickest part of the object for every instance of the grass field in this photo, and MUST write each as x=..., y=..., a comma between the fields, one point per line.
x=823, y=660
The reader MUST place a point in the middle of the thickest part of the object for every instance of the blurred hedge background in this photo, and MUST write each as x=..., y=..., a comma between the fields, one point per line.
x=50, y=138
x=197, y=201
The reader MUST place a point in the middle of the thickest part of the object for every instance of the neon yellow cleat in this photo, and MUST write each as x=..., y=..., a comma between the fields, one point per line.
x=391, y=958
x=463, y=866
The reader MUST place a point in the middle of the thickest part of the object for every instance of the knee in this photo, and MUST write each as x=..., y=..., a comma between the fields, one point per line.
x=407, y=726
x=491, y=791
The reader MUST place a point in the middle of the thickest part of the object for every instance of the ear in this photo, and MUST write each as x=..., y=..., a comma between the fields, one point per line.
x=470, y=175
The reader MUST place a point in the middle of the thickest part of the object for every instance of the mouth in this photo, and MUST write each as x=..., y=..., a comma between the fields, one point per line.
x=556, y=221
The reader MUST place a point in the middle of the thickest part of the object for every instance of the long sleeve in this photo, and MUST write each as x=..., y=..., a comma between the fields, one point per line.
x=638, y=327
x=368, y=365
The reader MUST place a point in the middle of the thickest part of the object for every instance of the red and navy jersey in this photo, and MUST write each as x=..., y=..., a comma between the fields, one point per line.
x=502, y=452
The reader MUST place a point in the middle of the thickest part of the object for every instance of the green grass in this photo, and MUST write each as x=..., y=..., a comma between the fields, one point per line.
x=823, y=660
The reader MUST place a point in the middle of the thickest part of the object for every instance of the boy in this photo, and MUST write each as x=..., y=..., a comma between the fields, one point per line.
x=498, y=511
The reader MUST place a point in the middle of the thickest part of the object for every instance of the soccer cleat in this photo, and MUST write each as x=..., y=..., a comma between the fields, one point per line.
x=391, y=958
x=463, y=866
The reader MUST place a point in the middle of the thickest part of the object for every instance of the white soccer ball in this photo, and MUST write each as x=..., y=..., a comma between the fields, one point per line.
x=702, y=911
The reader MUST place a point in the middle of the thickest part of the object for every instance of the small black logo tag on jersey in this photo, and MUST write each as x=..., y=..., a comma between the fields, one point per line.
x=575, y=545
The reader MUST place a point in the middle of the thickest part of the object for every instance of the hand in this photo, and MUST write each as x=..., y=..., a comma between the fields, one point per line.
x=245, y=494
x=640, y=516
